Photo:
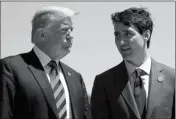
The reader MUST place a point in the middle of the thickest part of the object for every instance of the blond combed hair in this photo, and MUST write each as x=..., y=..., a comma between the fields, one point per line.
x=48, y=13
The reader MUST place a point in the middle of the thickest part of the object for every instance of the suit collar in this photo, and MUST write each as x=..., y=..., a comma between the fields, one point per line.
x=123, y=73
x=146, y=66
x=37, y=70
x=156, y=78
x=43, y=58
x=156, y=65
x=66, y=70
x=72, y=87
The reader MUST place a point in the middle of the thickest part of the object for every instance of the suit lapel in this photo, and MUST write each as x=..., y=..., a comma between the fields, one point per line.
x=37, y=70
x=128, y=96
x=127, y=93
x=155, y=83
x=71, y=83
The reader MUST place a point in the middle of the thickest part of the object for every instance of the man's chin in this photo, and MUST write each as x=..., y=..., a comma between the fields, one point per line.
x=67, y=50
x=62, y=55
x=126, y=56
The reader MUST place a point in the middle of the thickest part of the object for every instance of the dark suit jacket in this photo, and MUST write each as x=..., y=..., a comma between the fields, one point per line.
x=25, y=92
x=112, y=97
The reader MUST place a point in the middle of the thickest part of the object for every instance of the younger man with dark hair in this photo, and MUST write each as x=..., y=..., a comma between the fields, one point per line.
x=139, y=87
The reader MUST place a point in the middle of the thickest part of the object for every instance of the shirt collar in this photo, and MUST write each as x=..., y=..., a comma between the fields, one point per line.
x=146, y=66
x=44, y=58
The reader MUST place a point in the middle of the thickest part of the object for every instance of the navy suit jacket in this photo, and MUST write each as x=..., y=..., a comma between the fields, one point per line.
x=25, y=92
x=112, y=97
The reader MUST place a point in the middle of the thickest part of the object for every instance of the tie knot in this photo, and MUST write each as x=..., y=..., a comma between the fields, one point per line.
x=139, y=72
x=54, y=67
x=52, y=64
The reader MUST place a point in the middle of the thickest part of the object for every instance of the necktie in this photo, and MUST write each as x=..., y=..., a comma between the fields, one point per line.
x=58, y=90
x=139, y=91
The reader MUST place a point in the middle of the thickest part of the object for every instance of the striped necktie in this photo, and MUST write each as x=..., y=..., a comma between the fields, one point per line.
x=58, y=90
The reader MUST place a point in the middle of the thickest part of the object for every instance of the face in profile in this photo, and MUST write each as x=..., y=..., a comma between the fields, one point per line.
x=59, y=37
x=129, y=41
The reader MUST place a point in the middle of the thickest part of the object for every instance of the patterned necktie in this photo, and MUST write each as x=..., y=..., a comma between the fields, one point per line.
x=139, y=91
x=58, y=90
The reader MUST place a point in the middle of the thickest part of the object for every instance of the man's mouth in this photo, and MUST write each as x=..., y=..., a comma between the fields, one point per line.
x=68, y=45
x=125, y=49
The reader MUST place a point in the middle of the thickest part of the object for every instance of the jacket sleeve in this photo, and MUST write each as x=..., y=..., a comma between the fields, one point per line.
x=99, y=107
x=173, y=105
x=7, y=91
x=173, y=108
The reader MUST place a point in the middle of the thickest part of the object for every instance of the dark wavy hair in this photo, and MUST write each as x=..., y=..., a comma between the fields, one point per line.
x=138, y=17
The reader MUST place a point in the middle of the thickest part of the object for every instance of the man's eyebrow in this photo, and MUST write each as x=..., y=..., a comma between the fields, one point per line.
x=127, y=30
x=124, y=30
x=67, y=26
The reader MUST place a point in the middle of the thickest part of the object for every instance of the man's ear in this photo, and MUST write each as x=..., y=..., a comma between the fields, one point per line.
x=146, y=35
x=41, y=34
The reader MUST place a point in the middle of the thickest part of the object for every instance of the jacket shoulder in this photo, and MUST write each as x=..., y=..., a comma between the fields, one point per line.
x=8, y=60
x=167, y=69
x=112, y=70
x=168, y=72
x=110, y=73
x=12, y=60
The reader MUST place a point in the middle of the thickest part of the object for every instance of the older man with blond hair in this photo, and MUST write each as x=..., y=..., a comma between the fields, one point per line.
x=37, y=85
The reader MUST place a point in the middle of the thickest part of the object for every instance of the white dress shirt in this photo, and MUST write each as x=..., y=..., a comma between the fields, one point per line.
x=146, y=66
x=44, y=60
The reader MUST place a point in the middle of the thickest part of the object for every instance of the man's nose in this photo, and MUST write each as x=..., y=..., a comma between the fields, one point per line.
x=122, y=41
x=69, y=35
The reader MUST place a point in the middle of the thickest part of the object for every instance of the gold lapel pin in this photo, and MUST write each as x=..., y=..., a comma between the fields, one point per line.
x=161, y=78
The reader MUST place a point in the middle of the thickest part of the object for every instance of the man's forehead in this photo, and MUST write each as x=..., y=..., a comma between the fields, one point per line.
x=67, y=20
x=122, y=27
x=63, y=21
